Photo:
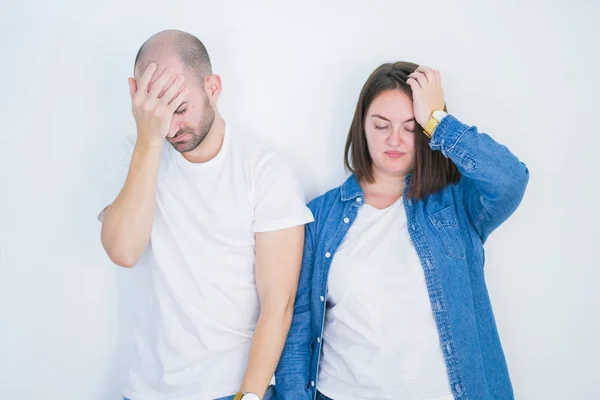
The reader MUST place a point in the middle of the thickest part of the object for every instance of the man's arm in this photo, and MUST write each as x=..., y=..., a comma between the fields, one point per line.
x=127, y=222
x=293, y=372
x=278, y=260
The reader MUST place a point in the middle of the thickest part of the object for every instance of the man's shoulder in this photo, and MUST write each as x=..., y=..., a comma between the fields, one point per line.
x=256, y=154
x=249, y=145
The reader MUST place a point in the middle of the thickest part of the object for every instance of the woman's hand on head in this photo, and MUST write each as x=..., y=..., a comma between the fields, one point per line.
x=428, y=95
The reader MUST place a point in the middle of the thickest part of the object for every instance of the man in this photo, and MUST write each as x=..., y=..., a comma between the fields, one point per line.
x=214, y=222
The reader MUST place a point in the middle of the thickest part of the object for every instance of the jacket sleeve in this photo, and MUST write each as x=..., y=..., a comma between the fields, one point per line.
x=493, y=179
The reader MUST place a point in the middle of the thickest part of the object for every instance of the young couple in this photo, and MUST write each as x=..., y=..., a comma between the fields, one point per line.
x=375, y=290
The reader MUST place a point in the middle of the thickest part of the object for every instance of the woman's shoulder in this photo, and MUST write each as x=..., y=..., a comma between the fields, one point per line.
x=325, y=201
x=333, y=201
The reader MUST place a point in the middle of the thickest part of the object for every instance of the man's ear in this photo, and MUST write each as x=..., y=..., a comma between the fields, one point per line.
x=213, y=87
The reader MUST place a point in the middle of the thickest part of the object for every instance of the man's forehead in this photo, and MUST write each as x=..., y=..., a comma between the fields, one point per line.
x=162, y=63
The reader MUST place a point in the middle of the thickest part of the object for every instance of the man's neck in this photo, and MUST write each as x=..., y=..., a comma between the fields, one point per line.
x=210, y=147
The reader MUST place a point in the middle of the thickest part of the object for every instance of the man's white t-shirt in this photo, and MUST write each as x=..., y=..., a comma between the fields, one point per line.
x=197, y=301
x=380, y=339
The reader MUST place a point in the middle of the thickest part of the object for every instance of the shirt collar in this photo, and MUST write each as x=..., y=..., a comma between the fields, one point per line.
x=351, y=189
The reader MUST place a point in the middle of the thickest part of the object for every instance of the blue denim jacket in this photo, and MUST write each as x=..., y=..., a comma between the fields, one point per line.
x=448, y=230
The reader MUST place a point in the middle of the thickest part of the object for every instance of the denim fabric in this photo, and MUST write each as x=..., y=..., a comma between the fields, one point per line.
x=448, y=230
x=321, y=396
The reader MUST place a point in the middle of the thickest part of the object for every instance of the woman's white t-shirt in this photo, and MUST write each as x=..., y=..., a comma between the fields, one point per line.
x=380, y=339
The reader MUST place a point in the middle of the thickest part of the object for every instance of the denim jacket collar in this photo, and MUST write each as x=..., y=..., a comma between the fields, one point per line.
x=351, y=189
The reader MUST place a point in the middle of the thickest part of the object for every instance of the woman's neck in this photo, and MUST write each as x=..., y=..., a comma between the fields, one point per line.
x=384, y=192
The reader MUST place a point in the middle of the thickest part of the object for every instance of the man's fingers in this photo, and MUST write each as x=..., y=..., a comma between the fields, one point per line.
x=174, y=105
x=160, y=83
x=146, y=77
x=173, y=90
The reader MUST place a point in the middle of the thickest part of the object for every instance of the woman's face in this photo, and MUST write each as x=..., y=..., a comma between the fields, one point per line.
x=390, y=131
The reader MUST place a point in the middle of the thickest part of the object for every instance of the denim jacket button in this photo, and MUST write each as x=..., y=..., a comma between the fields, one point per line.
x=359, y=199
x=346, y=220
x=312, y=383
x=322, y=298
x=318, y=340
x=327, y=255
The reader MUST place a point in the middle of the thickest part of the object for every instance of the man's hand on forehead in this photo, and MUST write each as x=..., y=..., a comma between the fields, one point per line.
x=155, y=97
x=161, y=68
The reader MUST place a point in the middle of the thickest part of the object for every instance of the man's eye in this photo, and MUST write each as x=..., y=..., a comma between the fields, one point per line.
x=180, y=111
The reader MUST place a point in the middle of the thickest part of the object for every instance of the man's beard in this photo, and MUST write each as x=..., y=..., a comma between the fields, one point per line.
x=197, y=135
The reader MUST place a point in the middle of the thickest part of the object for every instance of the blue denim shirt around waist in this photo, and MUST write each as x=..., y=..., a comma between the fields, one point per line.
x=448, y=230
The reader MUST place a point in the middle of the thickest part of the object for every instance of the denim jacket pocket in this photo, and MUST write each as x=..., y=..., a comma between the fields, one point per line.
x=445, y=222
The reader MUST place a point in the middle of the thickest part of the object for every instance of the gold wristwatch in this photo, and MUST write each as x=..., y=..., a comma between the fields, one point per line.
x=435, y=119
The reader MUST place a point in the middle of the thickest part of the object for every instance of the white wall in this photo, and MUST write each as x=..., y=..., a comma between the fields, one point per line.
x=525, y=71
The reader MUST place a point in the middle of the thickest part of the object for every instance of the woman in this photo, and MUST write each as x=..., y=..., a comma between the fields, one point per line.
x=392, y=302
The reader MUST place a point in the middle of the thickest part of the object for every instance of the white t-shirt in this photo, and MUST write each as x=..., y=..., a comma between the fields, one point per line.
x=380, y=339
x=197, y=301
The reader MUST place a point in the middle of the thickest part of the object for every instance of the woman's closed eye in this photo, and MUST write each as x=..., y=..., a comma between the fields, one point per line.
x=411, y=126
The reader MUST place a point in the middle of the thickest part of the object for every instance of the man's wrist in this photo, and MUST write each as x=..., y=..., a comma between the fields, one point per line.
x=149, y=140
x=246, y=396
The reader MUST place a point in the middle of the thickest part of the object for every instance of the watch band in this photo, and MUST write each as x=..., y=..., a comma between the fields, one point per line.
x=433, y=122
x=248, y=396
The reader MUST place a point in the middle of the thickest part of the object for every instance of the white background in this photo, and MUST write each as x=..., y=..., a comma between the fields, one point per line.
x=524, y=71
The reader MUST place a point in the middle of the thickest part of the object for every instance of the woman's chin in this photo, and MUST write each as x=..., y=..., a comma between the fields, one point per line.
x=395, y=168
x=393, y=172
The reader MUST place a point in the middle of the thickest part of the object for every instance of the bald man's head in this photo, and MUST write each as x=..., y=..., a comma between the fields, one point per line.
x=187, y=47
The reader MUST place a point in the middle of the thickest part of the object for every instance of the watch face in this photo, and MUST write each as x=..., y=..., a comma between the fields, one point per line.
x=250, y=396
